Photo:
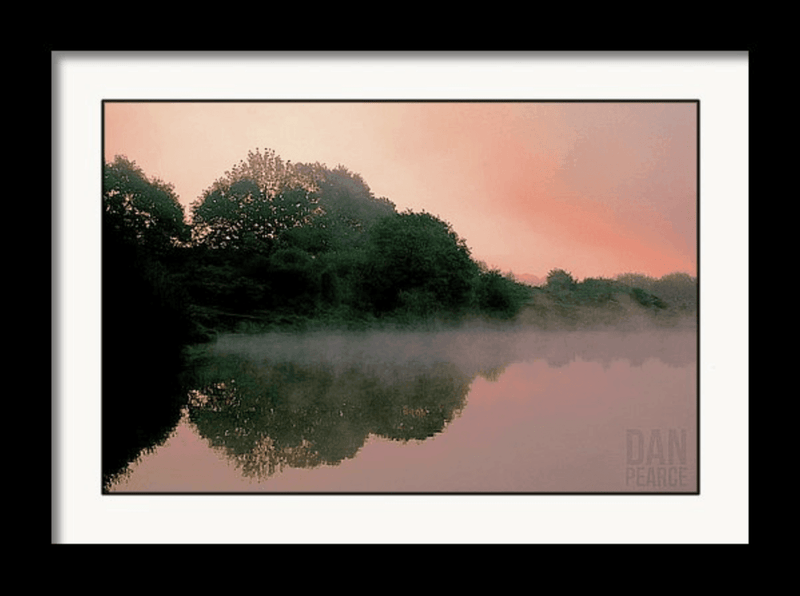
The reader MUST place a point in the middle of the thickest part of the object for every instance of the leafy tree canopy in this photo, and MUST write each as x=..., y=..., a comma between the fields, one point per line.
x=560, y=280
x=251, y=204
x=347, y=206
x=422, y=253
x=141, y=210
x=263, y=201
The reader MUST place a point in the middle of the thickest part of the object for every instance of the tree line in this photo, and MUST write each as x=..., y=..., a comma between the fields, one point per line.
x=275, y=242
x=629, y=298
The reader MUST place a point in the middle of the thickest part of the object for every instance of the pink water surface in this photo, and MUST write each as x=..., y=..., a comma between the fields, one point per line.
x=537, y=427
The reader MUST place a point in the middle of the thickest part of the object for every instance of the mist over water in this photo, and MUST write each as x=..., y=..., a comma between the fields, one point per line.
x=470, y=347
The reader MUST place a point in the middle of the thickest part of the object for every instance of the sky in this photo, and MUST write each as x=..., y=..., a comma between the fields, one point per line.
x=594, y=188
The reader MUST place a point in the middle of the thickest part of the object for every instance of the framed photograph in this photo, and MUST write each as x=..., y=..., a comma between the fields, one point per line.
x=388, y=287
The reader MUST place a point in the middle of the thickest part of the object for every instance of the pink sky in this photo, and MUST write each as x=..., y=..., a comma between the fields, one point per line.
x=597, y=189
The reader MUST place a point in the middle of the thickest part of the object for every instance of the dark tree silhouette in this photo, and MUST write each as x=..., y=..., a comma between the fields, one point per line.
x=242, y=215
x=559, y=280
x=146, y=321
x=417, y=256
x=141, y=211
x=347, y=207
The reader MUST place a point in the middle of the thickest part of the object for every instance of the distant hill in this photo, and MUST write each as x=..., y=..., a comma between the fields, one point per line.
x=529, y=279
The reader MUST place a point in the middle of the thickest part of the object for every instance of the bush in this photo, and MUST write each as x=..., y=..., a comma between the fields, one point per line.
x=498, y=295
x=596, y=291
x=560, y=281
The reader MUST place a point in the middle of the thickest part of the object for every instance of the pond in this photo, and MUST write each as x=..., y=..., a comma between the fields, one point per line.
x=459, y=411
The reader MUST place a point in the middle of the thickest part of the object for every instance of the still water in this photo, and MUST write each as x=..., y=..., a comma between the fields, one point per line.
x=468, y=411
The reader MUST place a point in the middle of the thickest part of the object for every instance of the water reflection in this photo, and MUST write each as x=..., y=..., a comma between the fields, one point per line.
x=267, y=416
x=278, y=401
x=508, y=409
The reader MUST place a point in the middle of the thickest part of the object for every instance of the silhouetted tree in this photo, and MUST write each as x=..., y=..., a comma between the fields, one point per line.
x=560, y=280
x=245, y=216
x=142, y=211
x=263, y=204
x=420, y=253
x=146, y=322
x=346, y=206
x=499, y=295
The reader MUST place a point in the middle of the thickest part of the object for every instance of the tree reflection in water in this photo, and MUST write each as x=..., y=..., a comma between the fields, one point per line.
x=266, y=416
x=273, y=402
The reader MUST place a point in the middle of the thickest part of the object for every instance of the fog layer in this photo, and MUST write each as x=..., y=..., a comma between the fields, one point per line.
x=471, y=349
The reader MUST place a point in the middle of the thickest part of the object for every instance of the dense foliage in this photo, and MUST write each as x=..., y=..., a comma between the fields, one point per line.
x=276, y=243
x=626, y=299
x=141, y=211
